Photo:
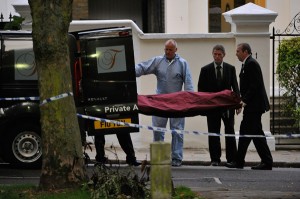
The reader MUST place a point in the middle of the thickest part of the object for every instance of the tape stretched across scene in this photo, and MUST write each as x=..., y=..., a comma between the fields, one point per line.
x=151, y=128
x=63, y=95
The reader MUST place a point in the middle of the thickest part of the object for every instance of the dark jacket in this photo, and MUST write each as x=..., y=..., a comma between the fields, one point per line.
x=208, y=81
x=252, y=87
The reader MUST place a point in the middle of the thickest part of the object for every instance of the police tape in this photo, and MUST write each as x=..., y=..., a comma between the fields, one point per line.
x=19, y=98
x=63, y=95
x=152, y=128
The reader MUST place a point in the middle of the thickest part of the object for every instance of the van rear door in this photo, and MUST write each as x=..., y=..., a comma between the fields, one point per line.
x=108, y=83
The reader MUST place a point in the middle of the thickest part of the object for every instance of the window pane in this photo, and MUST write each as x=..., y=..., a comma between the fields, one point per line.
x=214, y=15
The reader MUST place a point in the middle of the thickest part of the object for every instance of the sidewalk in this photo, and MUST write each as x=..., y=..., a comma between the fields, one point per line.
x=283, y=156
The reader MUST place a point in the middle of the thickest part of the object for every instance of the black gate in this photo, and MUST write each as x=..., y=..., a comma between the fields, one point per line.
x=281, y=123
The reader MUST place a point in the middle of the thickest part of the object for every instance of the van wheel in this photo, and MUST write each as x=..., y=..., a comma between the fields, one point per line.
x=23, y=148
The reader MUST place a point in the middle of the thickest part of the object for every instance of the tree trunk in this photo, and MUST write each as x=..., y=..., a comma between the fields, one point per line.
x=63, y=164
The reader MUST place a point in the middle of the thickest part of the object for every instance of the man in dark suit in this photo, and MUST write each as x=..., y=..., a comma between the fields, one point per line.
x=125, y=143
x=255, y=102
x=215, y=77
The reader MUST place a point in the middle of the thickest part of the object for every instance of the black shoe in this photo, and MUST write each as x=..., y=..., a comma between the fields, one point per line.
x=233, y=165
x=262, y=166
x=134, y=163
x=102, y=160
x=214, y=163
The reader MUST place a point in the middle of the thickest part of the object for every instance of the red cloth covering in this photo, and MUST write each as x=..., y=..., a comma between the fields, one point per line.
x=187, y=103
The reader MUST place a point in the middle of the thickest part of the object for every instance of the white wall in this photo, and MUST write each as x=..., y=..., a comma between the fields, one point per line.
x=186, y=16
x=198, y=24
x=176, y=16
x=286, y=11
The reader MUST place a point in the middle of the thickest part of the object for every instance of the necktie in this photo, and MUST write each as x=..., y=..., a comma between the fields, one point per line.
x=242, y=69
x=219, y=76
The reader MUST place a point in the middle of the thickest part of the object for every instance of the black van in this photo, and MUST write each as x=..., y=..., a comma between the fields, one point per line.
x=104, y=86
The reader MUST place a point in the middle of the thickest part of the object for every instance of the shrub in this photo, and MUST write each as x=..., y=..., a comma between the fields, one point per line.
x=288, y=71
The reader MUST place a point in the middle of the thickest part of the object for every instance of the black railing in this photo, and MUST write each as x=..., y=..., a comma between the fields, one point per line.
x=292, y=30
x=3, y=23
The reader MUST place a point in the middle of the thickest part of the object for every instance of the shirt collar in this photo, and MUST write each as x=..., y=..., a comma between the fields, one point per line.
x=245, y=60
x=171, y=61
x=218, y=65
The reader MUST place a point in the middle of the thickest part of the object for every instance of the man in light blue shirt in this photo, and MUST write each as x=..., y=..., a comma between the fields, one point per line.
x=172, y=73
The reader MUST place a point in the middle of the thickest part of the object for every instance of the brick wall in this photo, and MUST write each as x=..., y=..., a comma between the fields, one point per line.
x=80, y=9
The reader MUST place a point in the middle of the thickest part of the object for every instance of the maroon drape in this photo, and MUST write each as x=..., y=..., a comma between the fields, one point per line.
x=186, y=103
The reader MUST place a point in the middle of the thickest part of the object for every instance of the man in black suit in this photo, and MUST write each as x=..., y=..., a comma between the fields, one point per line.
x=255, y=102
x=125, y=143
x=215, y=77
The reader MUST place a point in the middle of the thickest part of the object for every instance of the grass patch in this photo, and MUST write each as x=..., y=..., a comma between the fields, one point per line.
x=31, y=192
x=182, y=192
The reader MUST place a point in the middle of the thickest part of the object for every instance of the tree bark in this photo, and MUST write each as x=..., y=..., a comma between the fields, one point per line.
x=63, y=164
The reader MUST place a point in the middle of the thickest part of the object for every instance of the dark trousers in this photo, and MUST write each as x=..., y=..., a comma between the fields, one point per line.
x=251, y=125
x=125, y=143
x=214, y=126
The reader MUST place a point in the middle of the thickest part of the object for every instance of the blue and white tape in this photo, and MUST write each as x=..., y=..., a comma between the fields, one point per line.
x=19, y=99
x=152, y=128
x=37, y=98
x=56, y=98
